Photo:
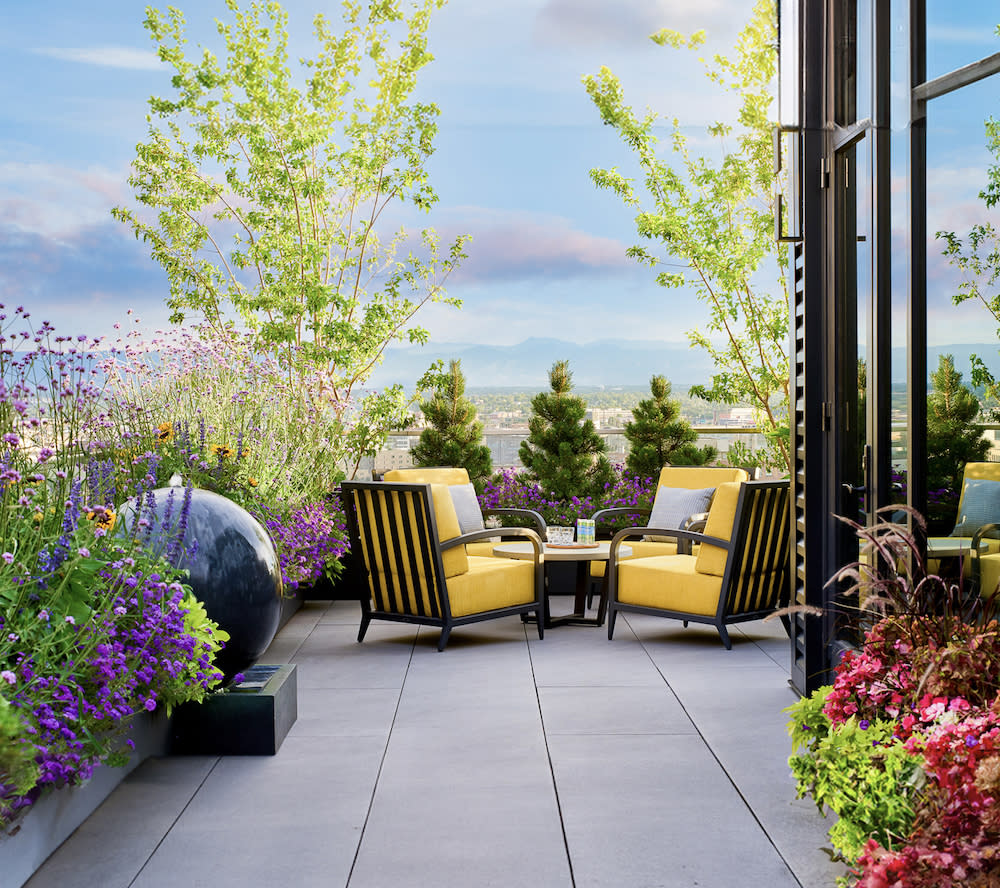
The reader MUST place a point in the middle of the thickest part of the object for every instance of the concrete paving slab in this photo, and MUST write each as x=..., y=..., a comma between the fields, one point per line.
x=345, y=712
x=658, y=759
x=613, y=710
x=657, y=811
x=135, y=817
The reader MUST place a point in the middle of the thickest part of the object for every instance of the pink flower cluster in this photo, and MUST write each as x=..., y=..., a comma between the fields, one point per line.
x=955, y=839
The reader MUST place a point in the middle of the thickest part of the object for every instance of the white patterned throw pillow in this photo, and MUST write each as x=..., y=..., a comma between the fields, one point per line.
x=673, y=505
x=980, y=505
x=470, y=515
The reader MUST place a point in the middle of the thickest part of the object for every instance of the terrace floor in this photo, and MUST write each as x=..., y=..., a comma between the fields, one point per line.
x=658, y=759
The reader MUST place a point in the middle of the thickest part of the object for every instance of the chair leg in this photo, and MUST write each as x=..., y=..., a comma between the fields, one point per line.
x=684, y=623
x=443, y=640
x=540, y=619
x=611, y=623
x=366, y=618
x=724, y=634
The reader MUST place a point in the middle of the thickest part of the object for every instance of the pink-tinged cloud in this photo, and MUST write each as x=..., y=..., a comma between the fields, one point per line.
x=519, y=246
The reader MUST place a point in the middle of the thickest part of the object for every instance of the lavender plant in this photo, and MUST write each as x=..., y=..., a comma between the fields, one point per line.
x=513, y=489
x=94, y=626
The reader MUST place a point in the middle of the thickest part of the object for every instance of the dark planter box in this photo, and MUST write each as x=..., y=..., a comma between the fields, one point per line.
x=251, y=719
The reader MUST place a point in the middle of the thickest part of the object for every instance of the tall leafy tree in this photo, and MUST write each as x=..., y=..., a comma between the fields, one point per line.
x=977, y=257
x=263, y=193
x=454, y=437
x=952, y=439
x=563, y=452
x=713, y=218
x=658, y=436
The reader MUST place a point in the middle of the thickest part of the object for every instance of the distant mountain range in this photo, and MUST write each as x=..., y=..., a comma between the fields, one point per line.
x=604, y=362
x=608, y=362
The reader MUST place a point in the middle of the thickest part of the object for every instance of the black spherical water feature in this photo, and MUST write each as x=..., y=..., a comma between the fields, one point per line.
x=234, y=571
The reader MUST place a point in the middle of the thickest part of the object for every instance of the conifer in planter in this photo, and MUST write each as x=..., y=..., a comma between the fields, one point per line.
x=563, y=452
x=658, y=436
x=454, y=437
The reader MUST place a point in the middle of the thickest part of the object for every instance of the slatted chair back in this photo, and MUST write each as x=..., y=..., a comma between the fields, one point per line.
x=756, y=576
x=393, y=527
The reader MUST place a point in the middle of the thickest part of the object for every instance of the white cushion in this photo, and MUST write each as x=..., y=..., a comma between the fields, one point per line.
x=673, y=505
x=980, y=505
x=470, y=515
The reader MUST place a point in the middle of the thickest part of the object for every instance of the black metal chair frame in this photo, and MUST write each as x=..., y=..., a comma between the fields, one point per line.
x=747, y=566
x=392, y=538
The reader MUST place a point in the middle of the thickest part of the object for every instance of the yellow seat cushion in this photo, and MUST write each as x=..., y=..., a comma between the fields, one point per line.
x=482, y=549
x=712, y=559
x=640, y=549
x=669, y=582
x=443, y=475
x=491, y=583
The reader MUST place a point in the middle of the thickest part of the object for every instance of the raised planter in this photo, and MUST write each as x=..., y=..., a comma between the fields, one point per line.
x=51, y=819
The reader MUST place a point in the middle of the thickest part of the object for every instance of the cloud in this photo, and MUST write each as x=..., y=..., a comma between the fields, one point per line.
x=104, y=56
x=521, y=245
x=83, y=282
x=959, y=34
x=55, y=199
x=599, y=22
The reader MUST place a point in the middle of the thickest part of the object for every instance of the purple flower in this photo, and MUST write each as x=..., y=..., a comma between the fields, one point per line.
x=864, y=724
x=971, y=741
x=8, y=677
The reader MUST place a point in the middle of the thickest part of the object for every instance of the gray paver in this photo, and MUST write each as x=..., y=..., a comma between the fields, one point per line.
x=657, y=759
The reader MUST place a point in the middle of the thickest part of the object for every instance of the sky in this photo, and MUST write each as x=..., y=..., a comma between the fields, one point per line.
x=517, y=137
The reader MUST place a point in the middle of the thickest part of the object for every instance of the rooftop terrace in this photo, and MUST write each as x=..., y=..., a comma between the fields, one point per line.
x=657, y=759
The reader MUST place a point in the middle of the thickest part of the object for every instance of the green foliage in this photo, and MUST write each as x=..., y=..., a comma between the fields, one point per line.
x=563, y=452
x=858, y=770
x=18, y=769
x=977, y=257
x=715, y=218
x=657, y=435
x=952, y=440
x=263, y=199
x=454, y=437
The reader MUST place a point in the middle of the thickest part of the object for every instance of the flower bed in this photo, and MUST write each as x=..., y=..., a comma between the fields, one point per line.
x=904, y=747
x=97, y=624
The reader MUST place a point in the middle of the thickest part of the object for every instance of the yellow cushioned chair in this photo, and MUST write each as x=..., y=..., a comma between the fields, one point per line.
x=472, y=516
x=686, y=477
x=983, y=567
x=741, y=570
x=415, y=564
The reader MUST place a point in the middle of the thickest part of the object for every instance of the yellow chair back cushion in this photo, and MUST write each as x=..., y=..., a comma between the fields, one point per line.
x=455, y=560
x=698, y=477
x=442, y=475
x=711, y=559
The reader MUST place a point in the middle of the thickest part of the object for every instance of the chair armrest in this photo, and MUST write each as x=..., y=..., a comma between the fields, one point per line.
x=695, y=522
x=530, y=514
x=680, y=535
x=525, y=533
x=992, y=531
